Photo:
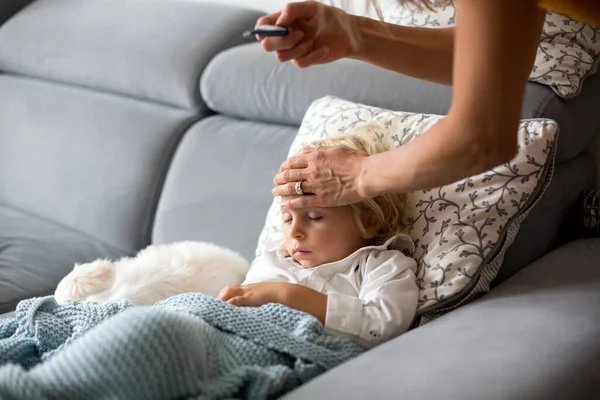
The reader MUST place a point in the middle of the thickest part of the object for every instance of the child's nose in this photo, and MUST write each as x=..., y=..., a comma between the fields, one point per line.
x=297, y=230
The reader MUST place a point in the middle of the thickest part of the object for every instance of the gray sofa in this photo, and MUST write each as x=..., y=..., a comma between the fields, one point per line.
x=127, y=123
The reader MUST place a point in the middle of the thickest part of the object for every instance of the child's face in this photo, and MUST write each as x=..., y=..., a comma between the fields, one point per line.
x=315, y=236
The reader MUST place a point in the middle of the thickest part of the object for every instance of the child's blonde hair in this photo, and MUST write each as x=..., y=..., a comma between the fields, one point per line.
x=389, y=208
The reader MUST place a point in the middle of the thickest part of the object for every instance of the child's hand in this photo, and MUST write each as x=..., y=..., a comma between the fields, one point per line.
x=294, y=296
x=255, y=294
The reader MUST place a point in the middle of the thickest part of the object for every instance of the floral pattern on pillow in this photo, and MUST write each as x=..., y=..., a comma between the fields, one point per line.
x=409, y=15
x=462, y=230
x=569, y=50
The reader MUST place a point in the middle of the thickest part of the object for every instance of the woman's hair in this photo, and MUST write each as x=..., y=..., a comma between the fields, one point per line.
x=389, y=208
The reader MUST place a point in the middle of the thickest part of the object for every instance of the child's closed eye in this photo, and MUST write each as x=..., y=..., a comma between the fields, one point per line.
x=314, y=215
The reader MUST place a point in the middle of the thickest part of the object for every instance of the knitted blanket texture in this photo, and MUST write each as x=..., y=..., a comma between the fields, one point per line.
x=190, y=346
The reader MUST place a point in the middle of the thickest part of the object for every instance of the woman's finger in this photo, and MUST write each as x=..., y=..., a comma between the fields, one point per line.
x=311, y=149
x=289, y=189
x=301, y=50
x=311, y=58
x=270, y=19
x=296, y=11
x=282, y=43
x=295, y=162
x=290, y=175
x=294, y=17
x=266, y=20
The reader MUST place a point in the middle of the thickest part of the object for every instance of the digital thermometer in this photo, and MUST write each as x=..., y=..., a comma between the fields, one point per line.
x=268, y=30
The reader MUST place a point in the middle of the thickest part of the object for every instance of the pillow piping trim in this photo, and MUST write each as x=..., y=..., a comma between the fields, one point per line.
x=556, y=88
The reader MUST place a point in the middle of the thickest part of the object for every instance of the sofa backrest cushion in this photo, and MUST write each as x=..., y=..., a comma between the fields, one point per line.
x=152, y=50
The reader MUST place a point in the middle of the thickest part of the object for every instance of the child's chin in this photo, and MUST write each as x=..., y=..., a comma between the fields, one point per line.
x=307, y=264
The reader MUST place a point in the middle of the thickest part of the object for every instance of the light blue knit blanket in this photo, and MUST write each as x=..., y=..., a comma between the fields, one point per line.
x=188, y=346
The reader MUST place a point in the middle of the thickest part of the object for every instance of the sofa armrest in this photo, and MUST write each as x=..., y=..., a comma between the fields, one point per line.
x=533, y=337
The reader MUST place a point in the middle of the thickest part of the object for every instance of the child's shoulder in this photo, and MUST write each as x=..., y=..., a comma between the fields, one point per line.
x=387, y=254
x=390, y=258
x=400, y=243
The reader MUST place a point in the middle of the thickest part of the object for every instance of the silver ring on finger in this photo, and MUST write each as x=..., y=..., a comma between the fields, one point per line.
x=298, y=188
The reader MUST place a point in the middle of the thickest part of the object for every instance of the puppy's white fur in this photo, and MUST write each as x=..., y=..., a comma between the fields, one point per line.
x=155, y=273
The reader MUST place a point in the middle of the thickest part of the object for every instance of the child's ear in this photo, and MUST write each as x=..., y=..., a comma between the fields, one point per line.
x=371, y=224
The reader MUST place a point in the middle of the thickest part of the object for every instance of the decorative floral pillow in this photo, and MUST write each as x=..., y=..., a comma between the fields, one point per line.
x=569, y=50
x=462, y=230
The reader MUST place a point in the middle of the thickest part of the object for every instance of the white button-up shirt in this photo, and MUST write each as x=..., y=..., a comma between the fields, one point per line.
x=371, y=294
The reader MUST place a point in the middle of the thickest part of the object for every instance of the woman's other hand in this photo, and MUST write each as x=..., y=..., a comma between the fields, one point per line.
x=330, y=177
x=319, y=33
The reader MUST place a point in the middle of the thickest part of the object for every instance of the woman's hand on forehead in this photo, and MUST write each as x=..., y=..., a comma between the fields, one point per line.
x=329, y=177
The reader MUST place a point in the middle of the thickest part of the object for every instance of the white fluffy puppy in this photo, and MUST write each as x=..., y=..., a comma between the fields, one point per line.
x=155, y=273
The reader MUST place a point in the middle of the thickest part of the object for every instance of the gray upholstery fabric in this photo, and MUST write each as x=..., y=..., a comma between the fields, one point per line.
x=9, y=7
x=153, y=50
x=535, y=337
x=545, y=220
x=578, y=118
x=219, y=186
x=90, y=161
x=36, y=253
x=281, y=93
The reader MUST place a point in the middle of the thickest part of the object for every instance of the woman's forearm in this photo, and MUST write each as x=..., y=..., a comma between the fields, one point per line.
x=424, y=53
x=494, y=49
x=445, y=154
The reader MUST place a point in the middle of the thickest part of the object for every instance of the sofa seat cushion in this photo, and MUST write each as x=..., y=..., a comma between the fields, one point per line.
x=153, y=50
x=35, y=254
